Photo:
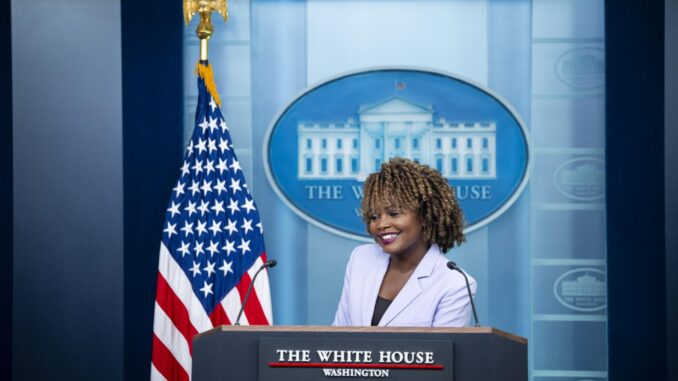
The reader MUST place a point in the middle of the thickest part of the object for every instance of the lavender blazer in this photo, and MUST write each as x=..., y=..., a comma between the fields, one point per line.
x=434, y=296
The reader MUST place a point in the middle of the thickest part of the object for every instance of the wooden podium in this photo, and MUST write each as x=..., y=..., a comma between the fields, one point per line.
x=283, y=353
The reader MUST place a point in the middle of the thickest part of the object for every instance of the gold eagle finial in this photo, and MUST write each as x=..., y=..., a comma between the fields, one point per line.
x=205, y=28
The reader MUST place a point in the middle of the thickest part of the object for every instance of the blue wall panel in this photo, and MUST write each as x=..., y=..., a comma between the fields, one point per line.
x=67, y=141
x=509, y=42
x=278, y=73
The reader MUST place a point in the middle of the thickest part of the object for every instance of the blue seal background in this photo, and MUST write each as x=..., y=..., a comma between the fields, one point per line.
x=340, y=98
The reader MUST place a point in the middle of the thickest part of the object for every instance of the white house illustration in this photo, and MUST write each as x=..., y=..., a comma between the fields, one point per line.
x=395, y=127
x=585, y=285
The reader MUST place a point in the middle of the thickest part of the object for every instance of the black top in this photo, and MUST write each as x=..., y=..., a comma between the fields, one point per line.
x=379, y=308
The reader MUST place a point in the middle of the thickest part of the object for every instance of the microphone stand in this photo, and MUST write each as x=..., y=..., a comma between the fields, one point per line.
x=453, y=266
x=269, y=264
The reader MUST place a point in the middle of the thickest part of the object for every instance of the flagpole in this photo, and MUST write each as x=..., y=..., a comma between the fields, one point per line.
x=205, y=28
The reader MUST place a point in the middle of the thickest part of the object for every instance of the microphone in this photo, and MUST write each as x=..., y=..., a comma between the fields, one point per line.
x=269, y=264
x=453, y=266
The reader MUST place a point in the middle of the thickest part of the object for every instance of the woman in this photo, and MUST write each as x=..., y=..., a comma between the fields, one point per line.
x=413, y=215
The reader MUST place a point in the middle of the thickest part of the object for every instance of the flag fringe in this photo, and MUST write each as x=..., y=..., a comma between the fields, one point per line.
x=205, y=72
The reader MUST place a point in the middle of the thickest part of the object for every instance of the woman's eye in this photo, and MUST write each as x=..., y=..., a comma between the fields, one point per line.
x=393, y=213
x=374, y=217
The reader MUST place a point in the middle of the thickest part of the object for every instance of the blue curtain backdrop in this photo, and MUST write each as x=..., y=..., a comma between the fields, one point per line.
x=152, y=141
x=637, y=334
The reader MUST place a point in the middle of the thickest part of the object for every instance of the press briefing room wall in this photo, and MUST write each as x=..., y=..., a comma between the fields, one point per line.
x=94, y=122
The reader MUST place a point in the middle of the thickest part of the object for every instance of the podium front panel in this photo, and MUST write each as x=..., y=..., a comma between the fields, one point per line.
x=315, y=353
x=318, y=359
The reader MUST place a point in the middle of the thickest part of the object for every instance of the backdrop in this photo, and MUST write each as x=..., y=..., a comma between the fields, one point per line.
x=541, y=265
x=89, y=166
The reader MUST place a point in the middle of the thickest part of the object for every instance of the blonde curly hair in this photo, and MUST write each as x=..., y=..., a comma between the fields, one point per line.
x=406, y=184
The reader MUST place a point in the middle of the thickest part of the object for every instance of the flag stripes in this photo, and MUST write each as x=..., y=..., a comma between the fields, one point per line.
x=165, y=363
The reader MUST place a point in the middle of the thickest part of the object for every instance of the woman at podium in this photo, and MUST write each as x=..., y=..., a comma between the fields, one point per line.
x=403, y=280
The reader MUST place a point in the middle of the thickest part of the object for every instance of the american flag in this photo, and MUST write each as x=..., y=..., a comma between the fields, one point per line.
x=212, y=244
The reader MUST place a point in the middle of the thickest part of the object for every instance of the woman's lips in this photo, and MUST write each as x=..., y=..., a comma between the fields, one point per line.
x=388, y=238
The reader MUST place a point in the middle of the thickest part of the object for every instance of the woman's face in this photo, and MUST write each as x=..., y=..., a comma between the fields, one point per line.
x=398, y=231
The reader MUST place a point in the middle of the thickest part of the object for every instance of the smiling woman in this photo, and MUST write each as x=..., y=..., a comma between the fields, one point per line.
x=414, y=217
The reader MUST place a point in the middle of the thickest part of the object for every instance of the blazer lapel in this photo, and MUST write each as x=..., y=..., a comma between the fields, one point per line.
x=373, y=283
x=412, y=288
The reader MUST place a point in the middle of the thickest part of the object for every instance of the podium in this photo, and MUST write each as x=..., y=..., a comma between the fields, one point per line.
x=282, y=353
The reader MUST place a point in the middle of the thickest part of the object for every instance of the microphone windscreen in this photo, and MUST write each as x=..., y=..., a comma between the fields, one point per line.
x=272, y=263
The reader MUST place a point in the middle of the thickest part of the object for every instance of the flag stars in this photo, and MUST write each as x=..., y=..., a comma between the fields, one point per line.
x=201, y=228
x=213, y=104
x=190, y=208
x=235, y=166
x=223, y=145
x=198, y=248
x=174, y=209
x=222, y=166
x=230, y=247
x=226, y=267
x=211, y=145
x=231, y=227
x=261, y=228
x=194, y=188
x=244, y=246
x=203, y=125
x=218, y=207
x=189, y=149
x=209, y=269
x=249, y=205
x=187, y=229
x=221, y=186
x=212, y=124
x=170, y=229
x=197, y=167
x=201, y=146
x=223, y=125
x=184, y=169
x=209, y=167
x=184, y=249
x=206, y=187
x=204, y=207
x=233, y=206
x=213, y=248
x=206, y=289
x=247, y=225
x=179, y=189
x=195, y=269
x=235, y=185
x=216, y=227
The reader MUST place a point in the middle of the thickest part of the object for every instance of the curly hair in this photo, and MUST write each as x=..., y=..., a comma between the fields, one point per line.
x=406, y=184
